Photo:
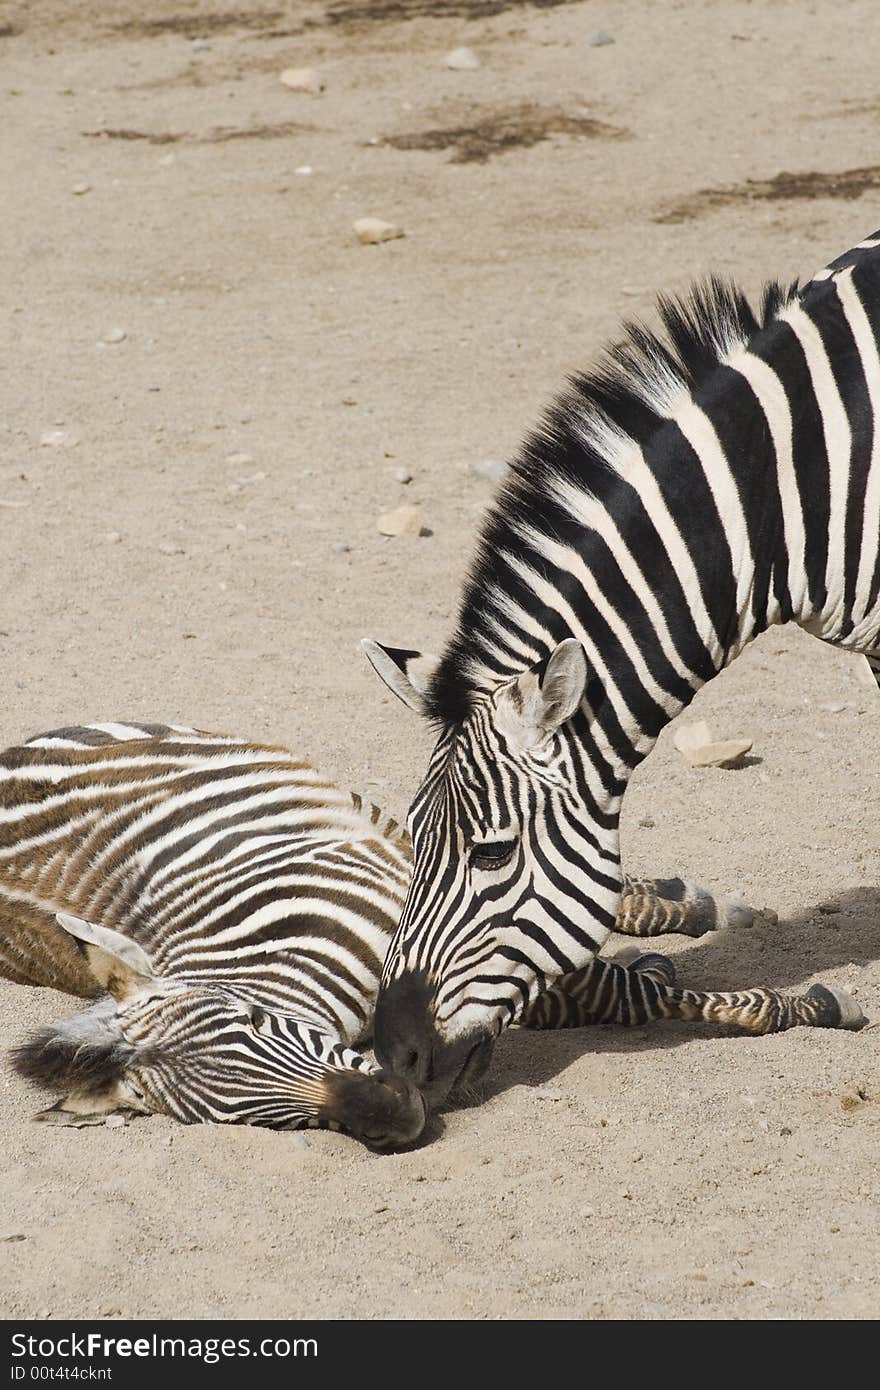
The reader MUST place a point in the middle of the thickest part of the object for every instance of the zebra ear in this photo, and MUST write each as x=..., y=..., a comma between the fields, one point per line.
x=531, y=708
x=407, y=674
x=119, y=965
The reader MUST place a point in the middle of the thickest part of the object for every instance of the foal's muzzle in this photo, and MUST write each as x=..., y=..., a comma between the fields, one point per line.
x=381, y=1110
x=408, y=1044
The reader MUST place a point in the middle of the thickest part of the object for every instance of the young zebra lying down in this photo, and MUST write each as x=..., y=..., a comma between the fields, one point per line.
x=228, y=909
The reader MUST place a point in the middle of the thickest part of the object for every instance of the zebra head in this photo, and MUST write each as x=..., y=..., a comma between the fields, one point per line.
x=158, y=1045
x=516, y=873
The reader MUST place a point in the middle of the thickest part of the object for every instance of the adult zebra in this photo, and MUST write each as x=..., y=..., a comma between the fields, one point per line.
x=693, y=490
x=231, y=909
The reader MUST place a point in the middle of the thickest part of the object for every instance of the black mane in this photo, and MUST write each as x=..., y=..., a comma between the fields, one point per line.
x=613, y=400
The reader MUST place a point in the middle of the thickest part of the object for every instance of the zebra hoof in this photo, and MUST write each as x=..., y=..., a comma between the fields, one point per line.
x=651, y=963
x=837, y=1009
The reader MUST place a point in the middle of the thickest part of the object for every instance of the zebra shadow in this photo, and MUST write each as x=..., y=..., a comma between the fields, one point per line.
x=787, y=955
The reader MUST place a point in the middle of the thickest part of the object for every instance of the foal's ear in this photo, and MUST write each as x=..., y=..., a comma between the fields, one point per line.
x=531, y=708
x=119, y=965
x=407, y=674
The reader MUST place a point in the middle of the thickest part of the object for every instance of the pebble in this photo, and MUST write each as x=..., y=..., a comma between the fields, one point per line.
x=588, y=1211
x=304, y=169
x=54, y=439
x=171, y=550
x=114, y=335
x=490, y=470
x=402, y=521
x=115, y=1122
x=80, y=188
x=600, y=39
x=834, y=708
x=200, y=45
x=547, y=1093
x=829, y=909
x=403, y=475
x=341, y=548
x=113, y=537
x=239, y=460
x=697, y=747
x=463, y=60
x=303, y=80
x=371, y=230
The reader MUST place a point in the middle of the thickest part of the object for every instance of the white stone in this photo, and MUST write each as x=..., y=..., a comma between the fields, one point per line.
x=700, y=749
x=303, y=80
x=114, y=335
x=403, y=521
x=370, y=230
x=463, y=60
x=80, y=188
x=490, y=470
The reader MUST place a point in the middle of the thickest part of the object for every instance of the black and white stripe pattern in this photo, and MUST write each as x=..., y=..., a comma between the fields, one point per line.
x=236, y=904
x=696, y=488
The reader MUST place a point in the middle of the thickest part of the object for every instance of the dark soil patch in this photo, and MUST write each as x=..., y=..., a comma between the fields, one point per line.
x=216, y=136
x=382, y=11
x=849, y=184
x=198, y=26
x=494, y=132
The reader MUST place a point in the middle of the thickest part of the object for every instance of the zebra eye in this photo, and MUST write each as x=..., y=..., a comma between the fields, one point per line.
x=493, y=854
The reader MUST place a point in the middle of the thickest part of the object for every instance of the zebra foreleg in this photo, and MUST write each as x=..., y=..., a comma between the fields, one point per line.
x=654, y=906
x=643, y=990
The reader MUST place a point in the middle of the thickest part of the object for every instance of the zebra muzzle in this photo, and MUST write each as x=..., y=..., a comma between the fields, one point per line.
x=381, y=1110
x=408, y=1044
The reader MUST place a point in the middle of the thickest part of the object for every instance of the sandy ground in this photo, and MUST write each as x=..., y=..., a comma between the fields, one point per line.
x=149, y=572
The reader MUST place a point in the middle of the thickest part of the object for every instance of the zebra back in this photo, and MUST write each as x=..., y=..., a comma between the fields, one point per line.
x=223, y=859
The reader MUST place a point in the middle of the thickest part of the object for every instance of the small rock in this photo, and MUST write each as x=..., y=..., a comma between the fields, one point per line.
x=80, y=188
x=113, y=537
x=697, y=747
x=403, y=521
x=171, y=550
x=54, y=439
x=463, y=60
x=200, y=45
x=379, y=1209
x=304, y=169
x=600, y=39
x=403, y=475
x=303, y=80
x=239, y=460
x=829, y=909
x=299, y=1141
x=547, y=1093
x=588, y=1212
x=115, y=1122
x=834, y=708
x=625, y=1194
x=647, y=823
x=371, y=230
x=114, y=335
x=490, y=470
x=341, y=548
